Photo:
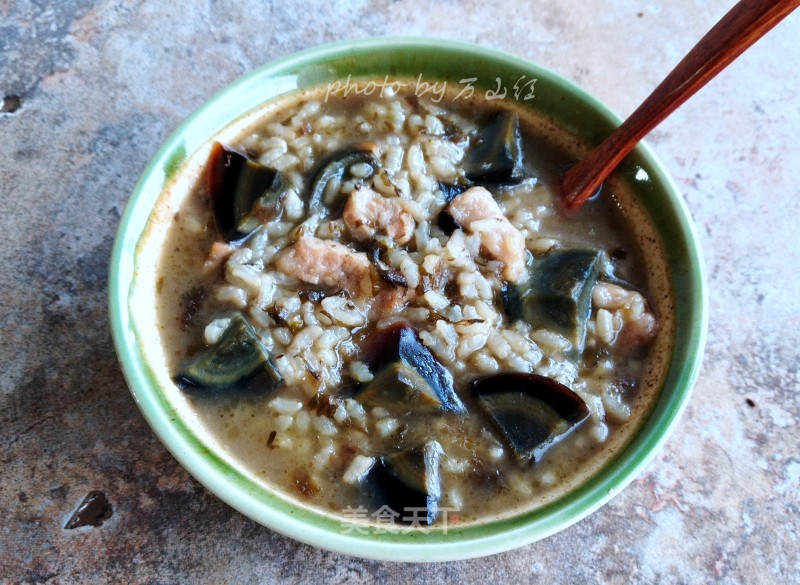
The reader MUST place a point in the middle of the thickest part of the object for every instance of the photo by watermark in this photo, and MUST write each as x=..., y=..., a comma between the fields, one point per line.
x=522, y=88
x=385, y=520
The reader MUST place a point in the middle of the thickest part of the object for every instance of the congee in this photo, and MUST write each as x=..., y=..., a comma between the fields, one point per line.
x=377, y=306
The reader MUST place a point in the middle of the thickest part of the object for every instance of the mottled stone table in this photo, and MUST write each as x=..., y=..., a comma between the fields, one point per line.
x=99, y=85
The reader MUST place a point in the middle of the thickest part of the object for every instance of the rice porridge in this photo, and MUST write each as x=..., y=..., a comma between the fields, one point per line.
x=377, y=303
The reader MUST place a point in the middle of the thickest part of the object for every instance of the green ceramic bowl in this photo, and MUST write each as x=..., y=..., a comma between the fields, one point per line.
x=131, y=291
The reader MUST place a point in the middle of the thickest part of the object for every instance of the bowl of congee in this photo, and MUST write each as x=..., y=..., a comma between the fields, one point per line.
x=346, y=296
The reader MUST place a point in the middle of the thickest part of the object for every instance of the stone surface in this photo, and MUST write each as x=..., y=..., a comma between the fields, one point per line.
x=99, y=85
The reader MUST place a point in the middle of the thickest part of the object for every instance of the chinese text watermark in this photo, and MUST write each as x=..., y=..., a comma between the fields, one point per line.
x=384, y=520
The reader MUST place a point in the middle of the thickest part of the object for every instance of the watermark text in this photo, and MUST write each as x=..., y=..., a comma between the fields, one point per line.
x=520, y=89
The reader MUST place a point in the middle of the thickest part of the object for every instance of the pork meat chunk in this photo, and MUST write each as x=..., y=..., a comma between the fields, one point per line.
x=329, y=264
x=477, y=212
x=368, y=213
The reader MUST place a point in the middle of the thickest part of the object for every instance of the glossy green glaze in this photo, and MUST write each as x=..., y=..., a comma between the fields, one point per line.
x=432, y=60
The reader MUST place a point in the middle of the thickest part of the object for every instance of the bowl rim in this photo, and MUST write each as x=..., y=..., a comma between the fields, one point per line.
x=289, y=517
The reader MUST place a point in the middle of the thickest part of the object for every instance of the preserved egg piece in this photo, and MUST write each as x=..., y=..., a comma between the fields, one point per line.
x=558, y=295
x=408, y=483
x=378, y=252
x=445, y=221
x=400, y=386
x=336, y=165
x=311, y=295
x=451, y=190
x=236, y=184
x=511, y=300
x=236, y=359
x=532, y=413
x=407, y=370
x=495, y=157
